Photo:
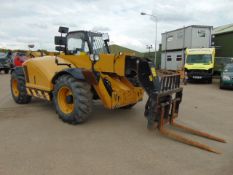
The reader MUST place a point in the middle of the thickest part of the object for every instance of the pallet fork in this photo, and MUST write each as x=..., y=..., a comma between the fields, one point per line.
x=162, y=107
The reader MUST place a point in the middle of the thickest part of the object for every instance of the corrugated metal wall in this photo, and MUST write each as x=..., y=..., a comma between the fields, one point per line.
x=224, y=45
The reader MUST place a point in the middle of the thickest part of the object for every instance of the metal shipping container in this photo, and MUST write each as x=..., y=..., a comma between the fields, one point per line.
x=176, y=41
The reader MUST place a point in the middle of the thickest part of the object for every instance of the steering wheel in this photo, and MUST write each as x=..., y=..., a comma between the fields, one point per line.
x=77, y=50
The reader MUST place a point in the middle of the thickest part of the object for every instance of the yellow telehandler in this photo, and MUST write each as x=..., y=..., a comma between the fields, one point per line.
x=85, y=70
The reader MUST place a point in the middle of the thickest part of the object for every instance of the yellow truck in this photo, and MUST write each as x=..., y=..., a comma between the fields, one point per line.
x=199, y=64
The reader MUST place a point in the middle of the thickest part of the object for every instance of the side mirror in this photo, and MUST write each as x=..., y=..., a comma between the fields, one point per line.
x=60, y=40
x=63, y=29
x=60, y=48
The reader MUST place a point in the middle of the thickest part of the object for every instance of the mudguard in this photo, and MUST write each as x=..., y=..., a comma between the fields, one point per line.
x=75, y=72
x=79, y=74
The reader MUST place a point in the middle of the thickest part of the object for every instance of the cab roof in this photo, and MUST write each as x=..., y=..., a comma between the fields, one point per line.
x=200, y=51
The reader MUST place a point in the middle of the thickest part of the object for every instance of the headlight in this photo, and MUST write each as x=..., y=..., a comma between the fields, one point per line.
x=94, y=57
x=226, y=77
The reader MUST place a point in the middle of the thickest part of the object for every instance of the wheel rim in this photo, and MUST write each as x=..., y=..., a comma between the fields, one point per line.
x=14, y=87
x=62, y=95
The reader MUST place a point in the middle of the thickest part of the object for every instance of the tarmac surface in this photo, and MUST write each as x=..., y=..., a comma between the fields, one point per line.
x=34, y=141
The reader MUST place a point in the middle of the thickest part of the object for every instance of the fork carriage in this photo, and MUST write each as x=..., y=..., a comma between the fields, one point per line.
x=162, y=108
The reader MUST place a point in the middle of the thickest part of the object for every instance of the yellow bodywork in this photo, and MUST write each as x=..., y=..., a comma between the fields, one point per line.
x=200, y=51
x=41, y=71
x=199, y=66
x=124, y=93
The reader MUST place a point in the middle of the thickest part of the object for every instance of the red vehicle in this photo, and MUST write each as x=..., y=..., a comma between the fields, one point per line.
x=19, y=58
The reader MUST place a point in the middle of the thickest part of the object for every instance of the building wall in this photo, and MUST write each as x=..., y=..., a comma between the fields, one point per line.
x=175, y=39
x=172, y=60
x=224, y=45
x=188, y=37
x=175, y=42
x=201, y=37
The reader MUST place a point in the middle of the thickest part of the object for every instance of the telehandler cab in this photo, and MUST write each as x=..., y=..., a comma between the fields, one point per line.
x=85, y=70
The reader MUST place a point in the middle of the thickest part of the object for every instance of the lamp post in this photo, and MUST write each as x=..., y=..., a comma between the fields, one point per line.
x=149, y=47
x=156, y=21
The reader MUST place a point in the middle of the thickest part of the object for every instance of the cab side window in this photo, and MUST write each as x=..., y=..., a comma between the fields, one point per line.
x=74, y=43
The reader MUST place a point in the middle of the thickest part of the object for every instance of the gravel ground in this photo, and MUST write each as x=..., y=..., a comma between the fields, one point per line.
x=34, y=141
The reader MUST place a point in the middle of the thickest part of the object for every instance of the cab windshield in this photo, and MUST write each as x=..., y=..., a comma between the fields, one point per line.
x=204, y=59
x=89, y=42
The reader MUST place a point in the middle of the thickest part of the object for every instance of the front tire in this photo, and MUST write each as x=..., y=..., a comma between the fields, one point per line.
x=18, y=89
x=72, y=99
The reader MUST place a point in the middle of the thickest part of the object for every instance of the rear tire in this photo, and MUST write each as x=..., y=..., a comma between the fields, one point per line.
x=18, y=89
x=72, y=99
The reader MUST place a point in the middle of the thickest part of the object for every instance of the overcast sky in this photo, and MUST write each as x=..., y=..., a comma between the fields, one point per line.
x=26, y=21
